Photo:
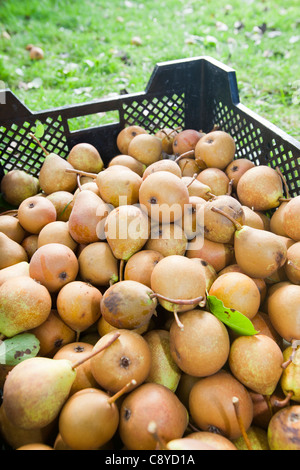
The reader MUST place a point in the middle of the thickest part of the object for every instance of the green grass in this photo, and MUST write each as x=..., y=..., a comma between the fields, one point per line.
x=89, y=54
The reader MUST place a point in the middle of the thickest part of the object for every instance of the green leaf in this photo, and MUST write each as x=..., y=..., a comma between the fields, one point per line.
x=232, y=318
x=18, y=348
x=39, y=130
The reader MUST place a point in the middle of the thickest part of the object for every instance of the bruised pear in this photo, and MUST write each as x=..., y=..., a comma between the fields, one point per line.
x=127, y=304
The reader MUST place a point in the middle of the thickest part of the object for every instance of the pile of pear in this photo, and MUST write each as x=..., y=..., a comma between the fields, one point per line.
x=130, y=356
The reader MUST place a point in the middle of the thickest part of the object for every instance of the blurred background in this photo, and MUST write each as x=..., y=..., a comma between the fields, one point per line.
x=93, y=49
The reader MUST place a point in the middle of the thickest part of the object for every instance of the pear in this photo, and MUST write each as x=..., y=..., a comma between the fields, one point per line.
x=127, y=230
x=119, y=185
x=164, y=369
x=256, y=362
x=284, y=429
x=259, y=253
x=291, y=219
x=187, y=443
x=84, y=156
x=16, y=270
x=63, y=203
x=35, y=391
x=97, y=264
x=11, y=226
x=258, y=438
x=24, y=304
x=260, y=188
x=290, y=379
x=88, y=210
x=17, y=185
x=11, y=252
x=16, y=437
x=54, y=177
x=130, y=162
x=144, y=404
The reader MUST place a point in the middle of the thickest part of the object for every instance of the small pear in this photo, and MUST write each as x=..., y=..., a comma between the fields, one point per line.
x=11, y=226
x=11, y=252
x=88, y=211
x=290, y=379
x=260, y=188
x=256, y=362
x=35, y=391
x=119, y=185
x=259, y=253
x=84, y=156
x=54, y=177
x=164, y=369
x=291, y=219
x=24, y=304
x=127, y=230
x=17, y=185
x=97, y=264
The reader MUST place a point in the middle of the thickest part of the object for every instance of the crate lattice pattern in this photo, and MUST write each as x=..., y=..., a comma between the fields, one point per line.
x=156, y=113
x=250, y=142
x=19, y=151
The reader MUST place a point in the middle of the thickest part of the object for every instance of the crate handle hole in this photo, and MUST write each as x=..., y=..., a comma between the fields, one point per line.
x=93, y=120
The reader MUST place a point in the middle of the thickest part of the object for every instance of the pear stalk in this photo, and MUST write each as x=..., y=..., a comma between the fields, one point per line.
x=39, y=143
x=290, y=359
x=121, y=392
x=237, y=225
x=188, y=154
x=152, y=428
x=236, y=404
x=285, y=401
x=287, y=193
x=192, y=180
x=196, y=300
x=81, y=172
x=94, y=353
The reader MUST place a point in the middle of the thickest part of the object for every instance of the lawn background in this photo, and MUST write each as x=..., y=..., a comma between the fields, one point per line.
x=96, y=49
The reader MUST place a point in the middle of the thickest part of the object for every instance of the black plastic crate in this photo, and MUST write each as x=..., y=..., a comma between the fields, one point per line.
x=194, y=93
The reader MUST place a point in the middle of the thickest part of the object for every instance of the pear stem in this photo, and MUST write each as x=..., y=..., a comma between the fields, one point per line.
x=80, y=172
x=168, y=134
x=285, y=401
x=236, y=404
x=123, y=390
x=213, y=196
x=269, y=403
x=290, y=359
x=230, y=184
x=192, y=180
x=293, y=265
x=193, y=428
x=78, y=183
x=284, y=199
x=94, y=353
x=39, y=143
x=121, y=269
x=152, y=428
x=196, y=300
x=237, y=225
x=215, y=128
x=179, y=323
x=284, y=182
x=188, y=154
